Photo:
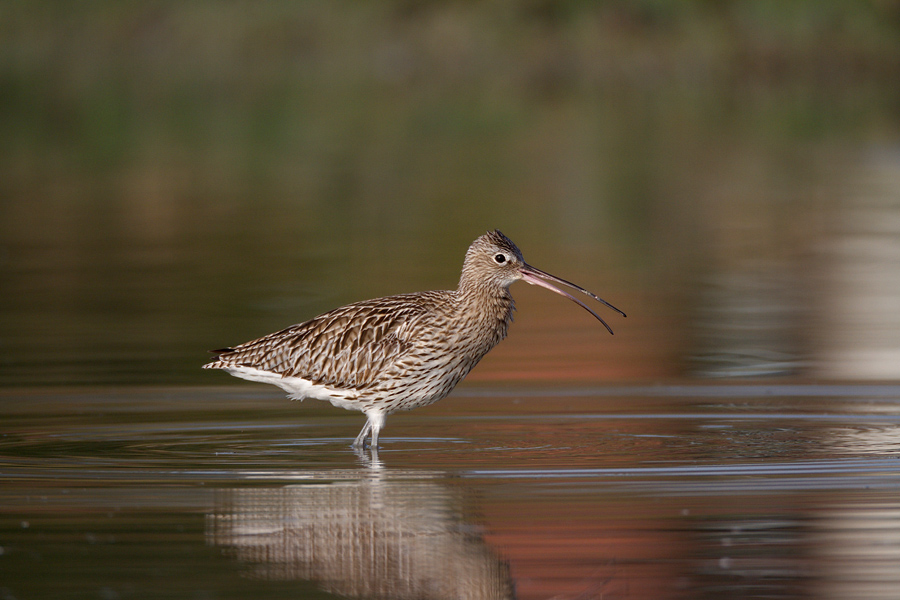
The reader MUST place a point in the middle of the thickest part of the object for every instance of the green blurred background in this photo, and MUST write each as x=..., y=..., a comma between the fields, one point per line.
x=177, y=176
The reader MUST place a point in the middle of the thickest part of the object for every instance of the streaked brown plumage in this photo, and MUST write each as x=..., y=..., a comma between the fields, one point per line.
x=399, y=352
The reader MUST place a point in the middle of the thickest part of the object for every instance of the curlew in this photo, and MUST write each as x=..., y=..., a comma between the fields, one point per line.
x=399, y=352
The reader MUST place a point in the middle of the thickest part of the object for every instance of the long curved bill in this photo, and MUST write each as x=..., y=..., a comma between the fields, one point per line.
x=537, y=277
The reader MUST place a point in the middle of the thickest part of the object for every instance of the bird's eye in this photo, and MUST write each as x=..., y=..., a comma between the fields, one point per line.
x=500, y=259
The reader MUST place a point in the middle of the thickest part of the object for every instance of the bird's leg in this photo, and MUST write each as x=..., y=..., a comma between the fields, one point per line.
x=376, y=419
x=375, y=429
x=373, y=426
x=360, y=441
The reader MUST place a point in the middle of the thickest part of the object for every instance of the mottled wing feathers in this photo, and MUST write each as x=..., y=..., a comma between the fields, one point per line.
x=347, y=347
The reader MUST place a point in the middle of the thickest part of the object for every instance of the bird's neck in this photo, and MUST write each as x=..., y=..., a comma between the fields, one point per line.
x=487, y=309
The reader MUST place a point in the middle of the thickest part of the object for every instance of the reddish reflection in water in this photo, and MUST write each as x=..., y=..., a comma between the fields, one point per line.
x=585, y=548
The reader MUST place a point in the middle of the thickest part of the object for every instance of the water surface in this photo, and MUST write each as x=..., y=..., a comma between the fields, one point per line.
x=687, y=491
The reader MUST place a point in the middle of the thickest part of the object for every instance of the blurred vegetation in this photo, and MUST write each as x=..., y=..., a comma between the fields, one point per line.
x=182, y=164
x=333, y=100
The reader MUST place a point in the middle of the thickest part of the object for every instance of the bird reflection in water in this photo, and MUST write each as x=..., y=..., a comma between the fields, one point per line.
x=366, y=533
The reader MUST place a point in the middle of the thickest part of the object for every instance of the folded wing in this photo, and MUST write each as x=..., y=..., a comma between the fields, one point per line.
x=345, y=348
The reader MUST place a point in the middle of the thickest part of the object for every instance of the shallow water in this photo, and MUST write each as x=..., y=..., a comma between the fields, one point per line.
x=787, y=491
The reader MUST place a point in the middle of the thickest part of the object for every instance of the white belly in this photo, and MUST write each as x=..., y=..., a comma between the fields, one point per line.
x=297, y=387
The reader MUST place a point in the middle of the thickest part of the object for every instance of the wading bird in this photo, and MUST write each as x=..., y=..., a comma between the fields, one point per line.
x=399, y=352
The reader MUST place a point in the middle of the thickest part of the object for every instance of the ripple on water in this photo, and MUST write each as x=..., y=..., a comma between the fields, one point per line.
x=684, y=491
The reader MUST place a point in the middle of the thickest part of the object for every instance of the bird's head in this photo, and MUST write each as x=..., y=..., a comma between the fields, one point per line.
x=493, y=263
